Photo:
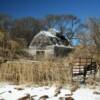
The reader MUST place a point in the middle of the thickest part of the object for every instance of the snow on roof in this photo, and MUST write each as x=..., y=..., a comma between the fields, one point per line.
x=46, y=33
x=53, y=30
x=47, y=38
x=61, y=45
x=64, y=46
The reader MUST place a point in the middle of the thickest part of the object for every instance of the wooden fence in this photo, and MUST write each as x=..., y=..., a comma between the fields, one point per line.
x=84, y=66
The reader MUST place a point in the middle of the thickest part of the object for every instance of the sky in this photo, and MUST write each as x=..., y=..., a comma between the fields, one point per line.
x=40, y=8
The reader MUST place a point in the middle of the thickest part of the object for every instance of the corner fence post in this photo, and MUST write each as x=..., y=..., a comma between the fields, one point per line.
x=79, y=64
x=91, y=65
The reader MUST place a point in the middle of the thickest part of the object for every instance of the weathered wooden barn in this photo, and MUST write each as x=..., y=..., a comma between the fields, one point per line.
x=47, y=43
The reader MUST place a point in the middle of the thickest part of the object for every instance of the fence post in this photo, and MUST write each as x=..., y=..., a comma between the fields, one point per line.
x=71, y=71
x=79, y=63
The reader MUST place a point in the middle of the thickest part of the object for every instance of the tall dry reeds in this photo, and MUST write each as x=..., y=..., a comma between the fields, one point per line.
x=39, y=72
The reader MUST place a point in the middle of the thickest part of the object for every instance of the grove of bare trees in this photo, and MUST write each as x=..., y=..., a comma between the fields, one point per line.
x=16, y=34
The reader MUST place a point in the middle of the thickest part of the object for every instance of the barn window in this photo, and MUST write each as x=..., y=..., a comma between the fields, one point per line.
x=40, y=53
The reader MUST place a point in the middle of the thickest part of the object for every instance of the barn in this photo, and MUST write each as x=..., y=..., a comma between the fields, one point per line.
x=49, y=43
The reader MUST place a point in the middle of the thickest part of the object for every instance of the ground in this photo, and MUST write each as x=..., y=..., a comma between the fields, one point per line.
x=20, y=92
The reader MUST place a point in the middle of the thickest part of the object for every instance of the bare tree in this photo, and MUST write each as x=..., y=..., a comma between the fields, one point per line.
x=94, y=27
x=25, y=28
x=6, y=21
x=66, y=24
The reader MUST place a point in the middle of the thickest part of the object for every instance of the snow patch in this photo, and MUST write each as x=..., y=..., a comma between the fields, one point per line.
x=9, y=92
x=46, y=33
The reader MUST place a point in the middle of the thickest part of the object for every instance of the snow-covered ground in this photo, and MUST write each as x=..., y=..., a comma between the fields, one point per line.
x=14, y=92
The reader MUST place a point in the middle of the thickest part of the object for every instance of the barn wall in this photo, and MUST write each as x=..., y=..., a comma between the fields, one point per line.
x=48, y=51
x=61, y=51
x=32, y=51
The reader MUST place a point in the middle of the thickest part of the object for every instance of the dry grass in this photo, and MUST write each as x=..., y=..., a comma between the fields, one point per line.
x=40, y=72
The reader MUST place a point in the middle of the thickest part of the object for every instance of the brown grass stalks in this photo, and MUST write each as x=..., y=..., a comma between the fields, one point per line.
x=39, y=72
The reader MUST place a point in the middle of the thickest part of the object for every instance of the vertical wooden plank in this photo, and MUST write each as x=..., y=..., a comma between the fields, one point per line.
x=91, y=65
x=79, y=64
